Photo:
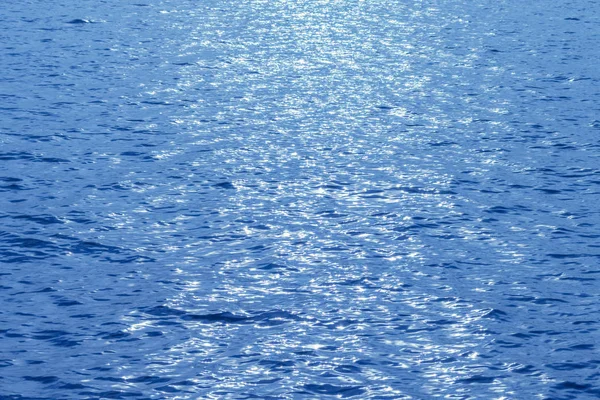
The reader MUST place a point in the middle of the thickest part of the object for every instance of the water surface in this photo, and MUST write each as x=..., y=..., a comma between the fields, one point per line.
x=299, y=199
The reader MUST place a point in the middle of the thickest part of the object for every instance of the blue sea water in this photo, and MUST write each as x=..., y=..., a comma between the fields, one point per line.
x=299, y=199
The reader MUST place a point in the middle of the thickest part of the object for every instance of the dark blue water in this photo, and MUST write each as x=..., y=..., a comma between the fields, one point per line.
x=299, y=199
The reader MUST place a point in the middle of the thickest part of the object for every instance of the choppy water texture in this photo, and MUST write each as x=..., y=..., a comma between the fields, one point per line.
x=299, y=199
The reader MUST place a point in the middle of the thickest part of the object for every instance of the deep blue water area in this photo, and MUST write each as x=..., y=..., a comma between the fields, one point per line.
x=299, y=199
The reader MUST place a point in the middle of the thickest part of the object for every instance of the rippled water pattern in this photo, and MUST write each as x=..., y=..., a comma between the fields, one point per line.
x=299, y=199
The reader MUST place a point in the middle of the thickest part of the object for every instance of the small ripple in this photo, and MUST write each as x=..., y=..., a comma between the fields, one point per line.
x=333, y=390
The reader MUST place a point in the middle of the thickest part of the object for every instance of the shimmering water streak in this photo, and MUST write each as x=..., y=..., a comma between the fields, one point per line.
x=299, y=199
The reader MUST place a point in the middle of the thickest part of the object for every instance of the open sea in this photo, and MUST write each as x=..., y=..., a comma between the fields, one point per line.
x=300, y=199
